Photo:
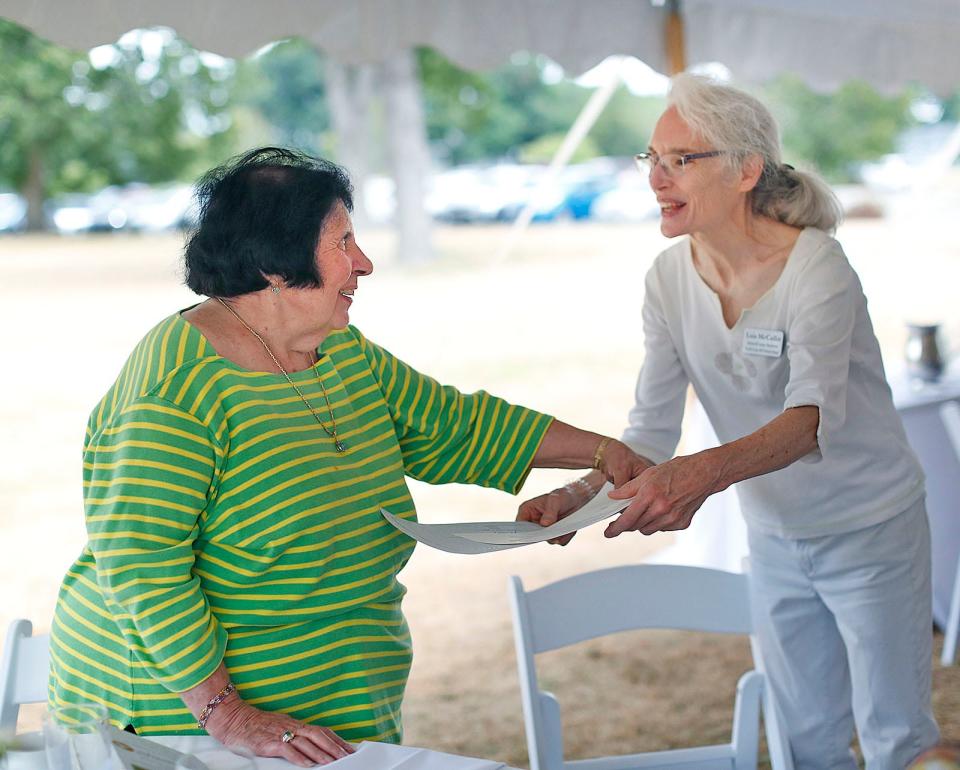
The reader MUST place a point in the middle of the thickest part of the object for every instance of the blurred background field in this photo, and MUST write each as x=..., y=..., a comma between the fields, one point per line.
x=556, y=327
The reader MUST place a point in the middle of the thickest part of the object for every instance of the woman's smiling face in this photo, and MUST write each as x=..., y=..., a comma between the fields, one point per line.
x=701, y=196
x=340, y=262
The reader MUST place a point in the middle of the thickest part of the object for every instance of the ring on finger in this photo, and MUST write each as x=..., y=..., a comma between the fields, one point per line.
x=287, y=736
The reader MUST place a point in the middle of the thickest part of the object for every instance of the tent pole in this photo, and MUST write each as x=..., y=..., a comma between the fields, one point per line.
x=676, y=47
x=580, y=128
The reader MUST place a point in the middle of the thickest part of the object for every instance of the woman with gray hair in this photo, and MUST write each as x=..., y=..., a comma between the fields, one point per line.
x=759, y=309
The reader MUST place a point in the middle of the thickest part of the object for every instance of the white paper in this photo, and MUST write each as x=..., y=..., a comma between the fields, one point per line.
x=483, y=537
x=599, y=508
x=446, y=537
x=135, y=751
x=384, y=756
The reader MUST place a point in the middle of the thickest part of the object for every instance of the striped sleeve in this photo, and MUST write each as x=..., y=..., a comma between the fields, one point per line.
x=147, y=477
x=448, y=436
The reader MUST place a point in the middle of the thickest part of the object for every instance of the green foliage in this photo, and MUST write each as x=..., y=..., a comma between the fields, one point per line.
x=152, y=110
x=833, y=132
x=624, y=127
x=473, y=116
x=34, y=117
x=457, y=105
x=285, y=85
x=543, y=148
x=164, y=111
x=505, y=113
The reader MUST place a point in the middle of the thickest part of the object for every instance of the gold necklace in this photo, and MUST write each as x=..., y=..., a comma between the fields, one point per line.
x=338, y=443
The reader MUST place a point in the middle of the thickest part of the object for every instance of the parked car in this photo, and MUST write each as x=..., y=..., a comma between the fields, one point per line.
x=630, y=200
x=570, y=194
x=134, y=206
x=155, y=209
x=70, y=213
x=464, y=194
x=519, y=185
x=502, y=191
x=585, y=182
x=108, y=210
x=13, y=212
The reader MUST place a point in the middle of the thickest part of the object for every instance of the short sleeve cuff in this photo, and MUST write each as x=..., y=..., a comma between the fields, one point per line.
x=536, y=427
x=655, y=456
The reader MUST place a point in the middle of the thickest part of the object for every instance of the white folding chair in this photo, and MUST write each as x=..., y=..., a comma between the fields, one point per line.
x=634, y=597
x=950, y=415
x=23, y=672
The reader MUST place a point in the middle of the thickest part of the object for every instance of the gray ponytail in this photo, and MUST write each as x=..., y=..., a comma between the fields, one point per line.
x=739, y=124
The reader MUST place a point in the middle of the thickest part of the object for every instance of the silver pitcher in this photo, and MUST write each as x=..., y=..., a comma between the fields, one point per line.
x=924, y=360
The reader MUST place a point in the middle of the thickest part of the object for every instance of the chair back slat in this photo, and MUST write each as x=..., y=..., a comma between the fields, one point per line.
x=23, y=671
x=636, y=597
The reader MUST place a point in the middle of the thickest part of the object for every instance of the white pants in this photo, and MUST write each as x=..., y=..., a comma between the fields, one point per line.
x=844, y=625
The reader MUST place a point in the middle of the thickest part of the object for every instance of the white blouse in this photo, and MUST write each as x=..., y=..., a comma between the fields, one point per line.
x=807, y=341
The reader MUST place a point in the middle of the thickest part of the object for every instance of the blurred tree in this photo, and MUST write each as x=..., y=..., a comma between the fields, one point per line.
x=523, y=106
x=286, y=85
x=543, y=148
x=625, y=125
x=835, y=132
x=148, y=108
x=350, y=94
x=409, y=153
x=457, y=104
x=479, y=116
x=35, y=119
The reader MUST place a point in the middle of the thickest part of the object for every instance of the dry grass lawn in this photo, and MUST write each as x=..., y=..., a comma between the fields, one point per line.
x=556, y=327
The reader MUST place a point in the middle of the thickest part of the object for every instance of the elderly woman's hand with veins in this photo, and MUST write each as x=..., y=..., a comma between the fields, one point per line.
x=619, y=464
x=665, y=496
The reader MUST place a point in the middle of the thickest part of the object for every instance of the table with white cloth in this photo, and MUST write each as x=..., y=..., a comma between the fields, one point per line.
x=717, y=537
x=381, y=756
x=919, y=408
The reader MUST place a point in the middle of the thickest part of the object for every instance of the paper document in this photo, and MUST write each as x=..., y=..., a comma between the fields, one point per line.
x=380, y=756
x=138, y=753
x=445, y=537
x=482, y=537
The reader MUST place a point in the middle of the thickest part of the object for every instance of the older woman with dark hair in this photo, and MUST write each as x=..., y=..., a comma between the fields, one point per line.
x=239, y=578
x=759, y=309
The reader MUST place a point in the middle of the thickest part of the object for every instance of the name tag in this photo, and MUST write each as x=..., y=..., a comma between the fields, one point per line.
x=762, y=342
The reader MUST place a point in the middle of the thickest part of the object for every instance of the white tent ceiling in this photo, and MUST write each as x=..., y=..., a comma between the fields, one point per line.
x=888, y=43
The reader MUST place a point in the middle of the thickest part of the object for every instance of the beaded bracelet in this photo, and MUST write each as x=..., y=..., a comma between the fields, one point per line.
x=215, y=701
x=579, y=486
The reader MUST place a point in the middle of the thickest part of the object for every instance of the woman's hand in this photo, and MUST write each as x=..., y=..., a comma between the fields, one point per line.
x=550, y=508
x=665, y=496
x=236, y=723
x=619, y=463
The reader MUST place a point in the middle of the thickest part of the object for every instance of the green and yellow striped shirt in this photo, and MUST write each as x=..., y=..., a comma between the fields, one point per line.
x=224, y=526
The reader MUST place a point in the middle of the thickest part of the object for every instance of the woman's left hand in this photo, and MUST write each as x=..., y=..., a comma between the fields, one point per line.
x=665, y=496
x=619, y=463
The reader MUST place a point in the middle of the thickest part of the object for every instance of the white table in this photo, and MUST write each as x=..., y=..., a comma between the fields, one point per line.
x=717, y=537
x=381, y=756
x=919, y=407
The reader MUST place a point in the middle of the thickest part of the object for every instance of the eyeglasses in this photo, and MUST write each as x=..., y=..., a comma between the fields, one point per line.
x=672, y=163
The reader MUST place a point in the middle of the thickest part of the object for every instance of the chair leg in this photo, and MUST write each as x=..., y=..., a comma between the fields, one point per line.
x=552, y=738
x=949, y=654
x=746, y=721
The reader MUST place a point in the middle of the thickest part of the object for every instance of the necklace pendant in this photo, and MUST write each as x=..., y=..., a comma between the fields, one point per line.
x=341, y=447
